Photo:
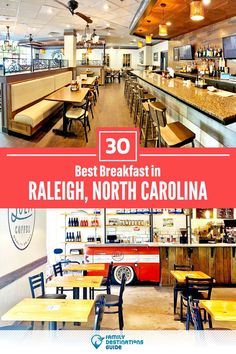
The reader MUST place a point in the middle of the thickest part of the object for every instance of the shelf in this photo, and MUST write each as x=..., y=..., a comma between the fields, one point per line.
x=73, y=255
x=81, y=227
x=129, y=226
x=130, y=214
x=79, y=243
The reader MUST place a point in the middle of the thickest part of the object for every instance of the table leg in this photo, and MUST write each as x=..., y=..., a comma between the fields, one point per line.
x=52, y=326
x=75, y=293
x=63, y=131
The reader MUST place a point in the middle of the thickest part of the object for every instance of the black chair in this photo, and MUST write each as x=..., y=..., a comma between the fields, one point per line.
x=180, y=287
x=37, y=282
x=196, y=317
x=106, y=283
x=198, y=289
x=99, y=311
x=115, y=301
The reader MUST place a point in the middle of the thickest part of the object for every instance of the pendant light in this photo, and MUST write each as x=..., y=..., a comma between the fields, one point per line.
x=140, y=44
x=163, y=29
x=8, y=45
x=196, y=10
x=149, y=39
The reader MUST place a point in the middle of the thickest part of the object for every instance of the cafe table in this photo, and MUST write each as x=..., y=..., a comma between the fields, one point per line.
x=68, y=97
x=87, y=82
x=75, y=267
x=180, y=275
x=220, y=310
x=51, y=311
x=76, y=282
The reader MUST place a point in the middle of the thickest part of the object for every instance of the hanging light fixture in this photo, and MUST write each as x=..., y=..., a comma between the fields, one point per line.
x=94, y=37
x=149, y=39
x=140, y=44
x=197, y=10
x=163, y=29
x=8, y=45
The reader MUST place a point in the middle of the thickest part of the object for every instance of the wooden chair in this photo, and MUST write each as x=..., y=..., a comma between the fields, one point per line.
x=99, y=311
x=173, y=134
x=106, y=283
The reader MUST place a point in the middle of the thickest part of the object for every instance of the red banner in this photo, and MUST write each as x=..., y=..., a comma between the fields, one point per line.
x=119, y=174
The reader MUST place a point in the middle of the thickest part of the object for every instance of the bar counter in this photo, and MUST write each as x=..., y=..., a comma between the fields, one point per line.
x=210, y=116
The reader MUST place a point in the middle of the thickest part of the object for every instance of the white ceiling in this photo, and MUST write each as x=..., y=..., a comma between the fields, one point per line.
x=40, y=17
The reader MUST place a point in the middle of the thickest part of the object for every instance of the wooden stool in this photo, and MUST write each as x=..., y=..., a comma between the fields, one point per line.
x=147, y=123
x=173, y=134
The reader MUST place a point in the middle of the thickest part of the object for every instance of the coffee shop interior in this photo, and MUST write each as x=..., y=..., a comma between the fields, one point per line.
x=111, y=269
x=69, y=67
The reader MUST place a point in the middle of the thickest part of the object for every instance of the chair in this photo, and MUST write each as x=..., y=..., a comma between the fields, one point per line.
x=80, y=114
x=199, y=289
x=115, y=301
x=178, y=287
x=196, y=317
x=99, y=311
x=106, y=283
x=37, y=282
x=58, y=271
x=172, y=134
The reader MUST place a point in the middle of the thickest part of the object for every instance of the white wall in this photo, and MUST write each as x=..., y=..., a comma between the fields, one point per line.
x=158, y=48
x=116, y=56
x=11, y=258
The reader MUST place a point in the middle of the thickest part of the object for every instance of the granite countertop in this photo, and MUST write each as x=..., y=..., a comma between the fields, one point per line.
x=223, y=109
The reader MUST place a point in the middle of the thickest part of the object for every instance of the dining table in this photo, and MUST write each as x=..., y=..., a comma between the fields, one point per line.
x=220, y=310
x=84, y=268
x=68, y=97
x=87, y=82
x=180, y=275
x=50, y=310
x=75, y=282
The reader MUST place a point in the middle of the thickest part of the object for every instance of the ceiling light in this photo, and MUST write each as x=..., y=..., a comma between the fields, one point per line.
x=140, y=44
x=68, y=26
x=206, y=2
x=8, y=45
x=49, y=11
x=163, y=29
x=106, y=7
x=108, y=33
x=196, y=10
x=148, y=39
x=168, y=23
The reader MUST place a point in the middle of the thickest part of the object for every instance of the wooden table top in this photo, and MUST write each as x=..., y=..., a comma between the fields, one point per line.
x=220, y=310
x=180, y=275
x=88, y=81
x=73, y=267
x=75, y=281
x=66, y=95
x=50, y=310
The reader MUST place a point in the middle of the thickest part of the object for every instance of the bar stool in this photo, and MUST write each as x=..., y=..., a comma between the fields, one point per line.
x=173, y=134
x=147, y=124
x=140, y=109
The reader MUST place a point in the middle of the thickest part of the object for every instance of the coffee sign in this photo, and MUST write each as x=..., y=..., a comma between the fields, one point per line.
x=21, y=226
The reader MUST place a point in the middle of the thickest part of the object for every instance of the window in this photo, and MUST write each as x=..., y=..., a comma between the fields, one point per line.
x=126, y=60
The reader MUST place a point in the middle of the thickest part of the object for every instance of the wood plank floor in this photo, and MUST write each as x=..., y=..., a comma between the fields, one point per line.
x=111, y=111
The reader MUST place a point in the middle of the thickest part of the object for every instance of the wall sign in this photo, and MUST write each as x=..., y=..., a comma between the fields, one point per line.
x=21, y=226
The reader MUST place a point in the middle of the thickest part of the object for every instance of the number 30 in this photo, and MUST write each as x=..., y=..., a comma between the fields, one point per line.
x=122, y=146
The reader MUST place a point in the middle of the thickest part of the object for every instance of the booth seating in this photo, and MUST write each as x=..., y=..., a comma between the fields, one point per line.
x=29, y=109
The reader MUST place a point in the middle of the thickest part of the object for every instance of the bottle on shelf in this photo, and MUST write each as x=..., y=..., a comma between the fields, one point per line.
x=69, y=222
x=72, y=237
x=67, y=237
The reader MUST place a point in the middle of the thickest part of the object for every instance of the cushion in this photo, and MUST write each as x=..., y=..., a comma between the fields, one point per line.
x=75, y=113
x=27, y=92
x=79, y=104
x=35, y=114
x=62, y=79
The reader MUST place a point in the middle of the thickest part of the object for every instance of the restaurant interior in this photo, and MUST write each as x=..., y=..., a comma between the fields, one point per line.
x=118, y=269
x=65, y=67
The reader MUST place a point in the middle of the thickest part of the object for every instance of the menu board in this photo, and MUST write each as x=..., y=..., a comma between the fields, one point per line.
x=225, y=213
x=204, y=213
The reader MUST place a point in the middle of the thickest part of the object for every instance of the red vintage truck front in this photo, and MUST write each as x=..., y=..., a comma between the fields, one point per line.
x=138, y=262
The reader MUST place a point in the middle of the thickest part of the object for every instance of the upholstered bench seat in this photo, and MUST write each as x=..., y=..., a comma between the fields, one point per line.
x=33, y=115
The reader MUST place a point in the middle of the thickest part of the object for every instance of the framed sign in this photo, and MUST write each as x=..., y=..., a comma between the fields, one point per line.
x=21, y=226
x=176, y=54
x=155, y=56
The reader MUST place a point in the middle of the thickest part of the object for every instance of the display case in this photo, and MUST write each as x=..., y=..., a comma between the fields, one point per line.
x=128, y=226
